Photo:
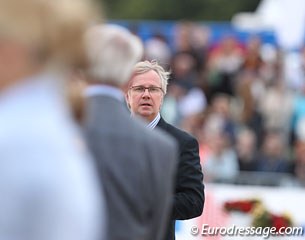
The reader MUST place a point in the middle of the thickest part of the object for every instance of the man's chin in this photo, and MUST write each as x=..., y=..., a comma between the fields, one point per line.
x=145, y=111
x=145, y=114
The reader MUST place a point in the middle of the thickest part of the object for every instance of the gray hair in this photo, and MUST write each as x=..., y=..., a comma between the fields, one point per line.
x=145, y=66
x=112, y=52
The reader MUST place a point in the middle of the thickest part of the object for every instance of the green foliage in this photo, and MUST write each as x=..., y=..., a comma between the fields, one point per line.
x=206, y=10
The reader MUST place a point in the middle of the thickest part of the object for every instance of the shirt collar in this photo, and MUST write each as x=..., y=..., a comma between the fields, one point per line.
x=154, y=122
x=105, y=90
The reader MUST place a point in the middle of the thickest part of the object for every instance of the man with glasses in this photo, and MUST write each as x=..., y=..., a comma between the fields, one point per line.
x=144, y=97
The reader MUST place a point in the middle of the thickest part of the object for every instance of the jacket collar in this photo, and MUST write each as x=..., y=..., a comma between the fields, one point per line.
x=162, y=124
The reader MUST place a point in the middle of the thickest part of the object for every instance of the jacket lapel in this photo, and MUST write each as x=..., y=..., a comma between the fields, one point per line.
x=162, y=124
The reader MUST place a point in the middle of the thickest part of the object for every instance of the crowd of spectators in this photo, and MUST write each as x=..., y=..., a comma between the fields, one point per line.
x=246, y=108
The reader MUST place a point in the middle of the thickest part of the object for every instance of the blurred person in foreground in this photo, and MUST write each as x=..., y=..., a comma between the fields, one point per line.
x=49, y=189
x=144, y=97
x=137, y=166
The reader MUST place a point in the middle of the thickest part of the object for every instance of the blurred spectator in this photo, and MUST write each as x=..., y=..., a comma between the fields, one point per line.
x=199, y=38
x=191, y=106
x=193, y=39
x=220, y=163
x=170, y=108
x=246, y=150
x=183, y=70
x=190, y=55
x=299, y=162
x=223, y=64
x=182, y=106
x=48, y=185
x=221, y=107
x=275, y=115
x=271, y=157
x=182, y=37
x=252, y=60
x=272, y=68
x=157, y=48
x=247, y=100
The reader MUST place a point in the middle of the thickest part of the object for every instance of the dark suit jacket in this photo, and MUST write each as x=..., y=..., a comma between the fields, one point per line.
x=189, y=188
x=137, y=168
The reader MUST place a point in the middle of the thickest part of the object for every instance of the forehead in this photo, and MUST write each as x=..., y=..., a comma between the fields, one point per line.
x=147, y=78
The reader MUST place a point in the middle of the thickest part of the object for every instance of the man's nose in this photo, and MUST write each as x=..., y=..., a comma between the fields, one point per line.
x=146, y=93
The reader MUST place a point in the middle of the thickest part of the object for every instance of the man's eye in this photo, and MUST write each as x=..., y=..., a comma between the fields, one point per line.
x=139, y=89
x=154, y=90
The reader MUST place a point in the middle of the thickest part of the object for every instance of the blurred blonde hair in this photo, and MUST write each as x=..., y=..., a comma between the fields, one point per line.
x=52, y=29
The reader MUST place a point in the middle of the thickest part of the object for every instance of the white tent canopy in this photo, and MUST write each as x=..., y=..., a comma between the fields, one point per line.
x=285, y=17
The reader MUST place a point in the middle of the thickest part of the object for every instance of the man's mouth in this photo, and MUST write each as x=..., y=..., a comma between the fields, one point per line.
x=146, y=104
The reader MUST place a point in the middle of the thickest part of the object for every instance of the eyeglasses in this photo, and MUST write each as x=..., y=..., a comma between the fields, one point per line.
x=141, y=89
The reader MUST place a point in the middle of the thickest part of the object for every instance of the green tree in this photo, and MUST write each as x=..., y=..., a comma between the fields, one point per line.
x=203, y=10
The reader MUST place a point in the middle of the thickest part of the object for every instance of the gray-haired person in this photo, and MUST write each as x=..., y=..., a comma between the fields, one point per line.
x=136, y=165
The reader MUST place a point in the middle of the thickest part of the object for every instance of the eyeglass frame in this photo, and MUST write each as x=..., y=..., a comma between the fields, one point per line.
x=148, y=88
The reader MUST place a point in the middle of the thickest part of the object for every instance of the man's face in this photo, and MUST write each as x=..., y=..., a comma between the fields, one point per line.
x=145, y=103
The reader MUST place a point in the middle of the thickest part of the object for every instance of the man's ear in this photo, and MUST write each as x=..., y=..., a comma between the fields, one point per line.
x=161, y=103
x=127, y=99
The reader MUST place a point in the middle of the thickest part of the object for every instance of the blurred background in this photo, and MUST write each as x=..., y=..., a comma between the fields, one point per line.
x=238, y=85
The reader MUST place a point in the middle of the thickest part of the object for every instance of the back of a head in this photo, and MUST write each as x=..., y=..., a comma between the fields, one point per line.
x=112, y=52
x=52, y=30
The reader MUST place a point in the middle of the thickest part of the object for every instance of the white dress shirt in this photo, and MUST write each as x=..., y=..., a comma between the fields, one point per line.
x=154, y=122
